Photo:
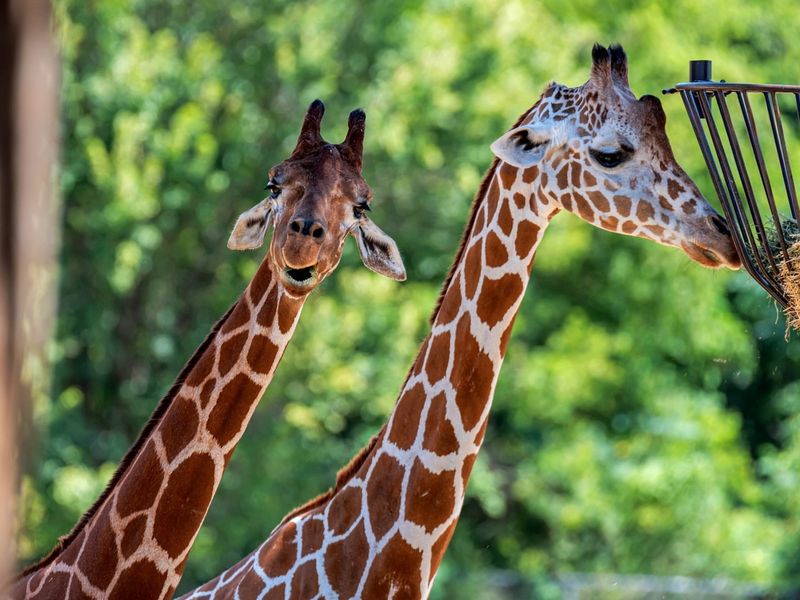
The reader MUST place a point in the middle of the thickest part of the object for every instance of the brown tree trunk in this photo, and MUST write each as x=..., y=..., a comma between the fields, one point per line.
x=28, y=226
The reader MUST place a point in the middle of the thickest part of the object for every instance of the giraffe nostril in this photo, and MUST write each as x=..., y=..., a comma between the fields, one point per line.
x=719, y=225
x=296, y=226
x=318, y=232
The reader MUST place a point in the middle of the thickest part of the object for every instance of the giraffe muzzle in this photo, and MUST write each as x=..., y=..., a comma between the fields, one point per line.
x=711, y=257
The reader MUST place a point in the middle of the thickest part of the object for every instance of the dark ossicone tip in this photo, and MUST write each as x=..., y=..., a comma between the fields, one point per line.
x=617, y=54
x=599, y=54
x=357, y=116
x=317, y=108
x=354, y=141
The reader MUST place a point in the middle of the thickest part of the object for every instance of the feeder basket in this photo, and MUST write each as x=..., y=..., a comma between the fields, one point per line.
x=741, y=129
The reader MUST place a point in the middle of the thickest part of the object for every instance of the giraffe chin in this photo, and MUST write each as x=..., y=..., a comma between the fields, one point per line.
x=299, y=281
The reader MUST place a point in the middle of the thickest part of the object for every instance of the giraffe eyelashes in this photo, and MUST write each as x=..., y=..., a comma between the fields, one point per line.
x=274, y=188
x=359, y=209
x=609, y=160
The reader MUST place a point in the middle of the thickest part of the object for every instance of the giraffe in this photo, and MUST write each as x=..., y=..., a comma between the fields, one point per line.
x=381, y=531
x=134, y=541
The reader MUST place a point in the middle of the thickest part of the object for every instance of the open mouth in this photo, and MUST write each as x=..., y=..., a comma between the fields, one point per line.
x=300, y=279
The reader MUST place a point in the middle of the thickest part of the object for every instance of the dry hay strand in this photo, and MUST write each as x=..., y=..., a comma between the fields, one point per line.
x=788, y=265
x=789, y=276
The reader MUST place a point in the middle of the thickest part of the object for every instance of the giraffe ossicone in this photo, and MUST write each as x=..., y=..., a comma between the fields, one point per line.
x=134, y=541
x=382, y=530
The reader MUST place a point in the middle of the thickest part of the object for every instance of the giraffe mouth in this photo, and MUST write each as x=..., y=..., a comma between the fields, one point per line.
x=709, y=257
x=300, y=279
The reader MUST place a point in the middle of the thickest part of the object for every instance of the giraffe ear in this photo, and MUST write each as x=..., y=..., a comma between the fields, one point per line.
x=523, y=146
x=378, y=251
x=251, y=227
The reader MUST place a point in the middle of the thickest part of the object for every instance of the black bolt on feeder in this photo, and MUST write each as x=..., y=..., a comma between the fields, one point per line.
x=699, y=70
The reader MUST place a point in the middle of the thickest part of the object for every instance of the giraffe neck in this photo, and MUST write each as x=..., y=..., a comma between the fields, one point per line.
x=385, y=527
x=135, y=540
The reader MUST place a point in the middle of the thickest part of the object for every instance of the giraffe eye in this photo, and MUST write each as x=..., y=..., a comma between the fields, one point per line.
x=274, y=189
x=359, y=209
x=609, y=160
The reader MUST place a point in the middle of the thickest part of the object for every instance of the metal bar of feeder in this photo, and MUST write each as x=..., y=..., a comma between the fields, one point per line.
x=755, y=143
x=731, y=212
x=780, y=141
x=726, y=86
x=747, y=188
x=690, y=101
x=759, y=274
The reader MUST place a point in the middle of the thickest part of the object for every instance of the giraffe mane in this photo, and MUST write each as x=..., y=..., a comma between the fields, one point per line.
x=130, y=455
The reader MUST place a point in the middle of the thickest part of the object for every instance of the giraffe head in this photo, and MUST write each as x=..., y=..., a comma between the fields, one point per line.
x=317, y=198
x=603, y=154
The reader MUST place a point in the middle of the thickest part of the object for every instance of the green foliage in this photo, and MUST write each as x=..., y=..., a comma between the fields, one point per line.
x=645, y=420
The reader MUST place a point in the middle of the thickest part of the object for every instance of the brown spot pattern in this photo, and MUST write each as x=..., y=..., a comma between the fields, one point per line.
x=345, y=508
x=267, y=313
x=305, y=582
x=142, y=576
x=584, y=210
x=345, y=560
x=234, y=402
x=440, y=437
x=383, y=501
x=438, y=356
x=508, y=175
x=431, y=497
x=178, y=426
x=207, y=391
x=527, y=236
x=623, y=204
x=504, y=219
x=262, y=354
x=675, y=189
x=497, y=297
x=313, y=534
x=396, y=569
x=496, y=254
x=230, y=352
x=177, y=519
x=99, y=560
x=600, y=201
x=473, y=268
x=139, y=493
x=644, y=211
x=239, y=317
x=406, y=417
x=277, y=557
x=472, y=376
x=134, y=533
x=202, y=369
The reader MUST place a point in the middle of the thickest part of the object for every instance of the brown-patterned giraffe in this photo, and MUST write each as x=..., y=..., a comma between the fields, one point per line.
x=134, y=541
x=381, y=532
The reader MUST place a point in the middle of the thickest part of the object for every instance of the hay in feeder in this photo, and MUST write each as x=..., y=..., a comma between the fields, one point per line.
x=787, y=272
x=789, y=277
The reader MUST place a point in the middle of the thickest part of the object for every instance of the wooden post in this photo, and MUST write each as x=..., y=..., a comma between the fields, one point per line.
x=28, y=226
